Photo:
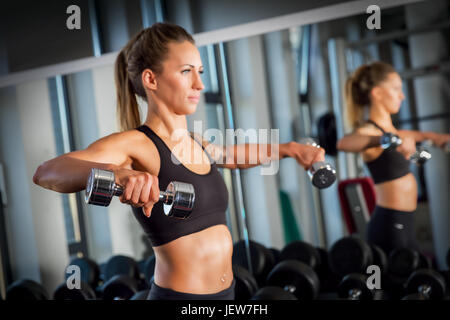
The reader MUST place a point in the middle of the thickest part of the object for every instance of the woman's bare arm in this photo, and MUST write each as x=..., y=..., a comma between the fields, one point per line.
x=68, y=173
x=439, y=139
x=244, y=156
x=358, y=141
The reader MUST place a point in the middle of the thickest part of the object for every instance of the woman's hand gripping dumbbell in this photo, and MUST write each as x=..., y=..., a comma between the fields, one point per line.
x=418, y=154
x=321, y=173
x=178, y=199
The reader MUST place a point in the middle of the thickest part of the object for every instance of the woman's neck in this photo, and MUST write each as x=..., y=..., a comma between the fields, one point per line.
x=380, y=117
x=165, y=123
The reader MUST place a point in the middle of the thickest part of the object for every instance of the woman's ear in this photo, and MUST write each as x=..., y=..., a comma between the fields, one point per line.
x=375, y=93
x=149, y=79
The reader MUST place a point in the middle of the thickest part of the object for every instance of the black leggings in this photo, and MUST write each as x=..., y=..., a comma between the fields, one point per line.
x=159, y=293
x=390, y=229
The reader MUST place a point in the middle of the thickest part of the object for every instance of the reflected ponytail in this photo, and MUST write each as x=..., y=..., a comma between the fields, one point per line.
x=358, y=87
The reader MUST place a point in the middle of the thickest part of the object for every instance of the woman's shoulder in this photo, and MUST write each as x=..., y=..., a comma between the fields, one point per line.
x=367, y=129
x=140, y=149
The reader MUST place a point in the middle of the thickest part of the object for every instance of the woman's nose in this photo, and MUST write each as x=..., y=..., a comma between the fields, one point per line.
x=198, y=83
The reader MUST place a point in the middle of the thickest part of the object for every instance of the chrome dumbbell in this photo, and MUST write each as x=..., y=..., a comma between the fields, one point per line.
x=178, y=199
x=420, y=156
x=322, y=174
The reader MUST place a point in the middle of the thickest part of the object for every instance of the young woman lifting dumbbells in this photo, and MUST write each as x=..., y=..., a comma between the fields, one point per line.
x=376, y=89
x=162, y=65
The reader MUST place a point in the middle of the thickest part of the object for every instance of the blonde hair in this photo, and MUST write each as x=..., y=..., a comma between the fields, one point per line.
x=358, y=87
x=147, y=49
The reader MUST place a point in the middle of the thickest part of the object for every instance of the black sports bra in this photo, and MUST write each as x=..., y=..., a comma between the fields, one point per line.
x=211, y=198
x=390, y=165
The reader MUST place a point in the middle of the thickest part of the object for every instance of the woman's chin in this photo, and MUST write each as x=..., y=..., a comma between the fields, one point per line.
x=188, y=110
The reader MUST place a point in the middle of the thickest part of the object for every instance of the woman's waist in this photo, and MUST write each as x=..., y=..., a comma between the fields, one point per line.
x=199, y=261
x=400, y=193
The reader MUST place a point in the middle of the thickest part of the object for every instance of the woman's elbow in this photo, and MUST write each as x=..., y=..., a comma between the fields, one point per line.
x=37, y=177
x=340, y=145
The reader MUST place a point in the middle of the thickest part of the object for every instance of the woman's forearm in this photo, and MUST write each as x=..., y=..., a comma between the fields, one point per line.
x=66, y=174
x=244, y=156
x=357, y=142
x=420, y=136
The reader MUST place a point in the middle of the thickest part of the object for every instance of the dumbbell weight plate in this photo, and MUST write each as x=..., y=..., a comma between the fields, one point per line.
x=323, y=176
x=120, y=287
x=183, y=201
x=26, y=290
x=141, y=295
x=257, y=256
x=428, y=277
x=301, y=251
x=350, y=255
x=379, y=258
x=246, y=285
x=122, y=265
x=100, y=187
x=414, y=296
x=424, y=262
x=85, y=292
x=355, y=281
x=276, y=254
x=328, y=280
x=296, y=275
x=89, y=271
x=149, y=269
x=402, y=262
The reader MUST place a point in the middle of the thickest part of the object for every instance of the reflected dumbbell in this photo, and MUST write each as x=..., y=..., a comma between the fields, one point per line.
x=178, y=199
x=322, y=174
x=421, y=155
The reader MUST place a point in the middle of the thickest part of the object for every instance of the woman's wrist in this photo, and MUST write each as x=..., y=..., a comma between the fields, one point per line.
x=285, y=149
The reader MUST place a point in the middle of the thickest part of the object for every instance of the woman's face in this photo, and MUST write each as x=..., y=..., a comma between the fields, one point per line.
x=389, y=94
x=179, y=85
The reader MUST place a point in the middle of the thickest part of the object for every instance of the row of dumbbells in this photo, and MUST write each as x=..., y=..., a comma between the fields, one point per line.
x=120, y=278
x=301, y=271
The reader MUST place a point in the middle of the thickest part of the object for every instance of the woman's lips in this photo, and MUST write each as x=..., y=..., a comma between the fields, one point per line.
x=194, y=98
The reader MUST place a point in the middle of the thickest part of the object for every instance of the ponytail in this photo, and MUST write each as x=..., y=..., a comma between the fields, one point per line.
x=354, y=109
x=146, y=50
x=127, y=107
x=359, y=86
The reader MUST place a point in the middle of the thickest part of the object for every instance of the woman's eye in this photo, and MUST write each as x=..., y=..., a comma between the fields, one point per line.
x=185, y=71
x=201, y=72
